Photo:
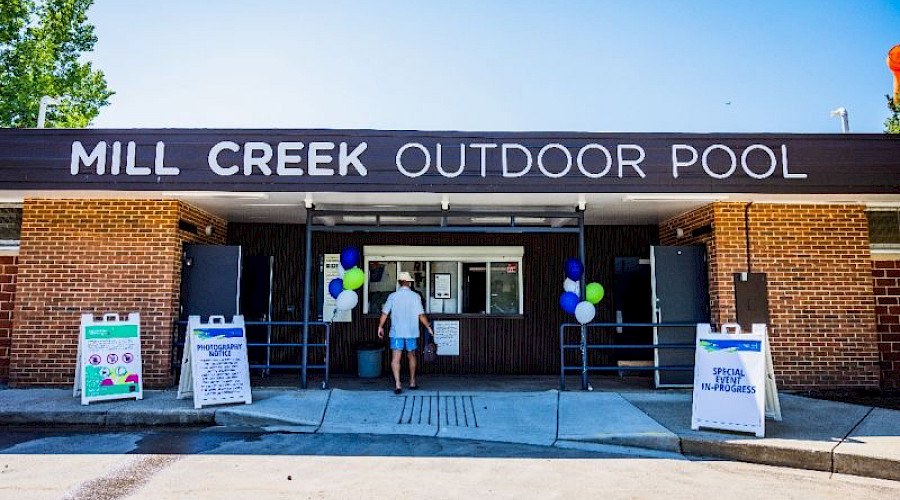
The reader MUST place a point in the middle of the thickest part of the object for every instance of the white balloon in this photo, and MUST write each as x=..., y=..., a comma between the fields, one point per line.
x=572, y=286
x=585, y=312
x=346, y=300
x=340, y=271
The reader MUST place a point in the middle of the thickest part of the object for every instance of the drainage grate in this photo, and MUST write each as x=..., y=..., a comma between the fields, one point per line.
x=456, y=411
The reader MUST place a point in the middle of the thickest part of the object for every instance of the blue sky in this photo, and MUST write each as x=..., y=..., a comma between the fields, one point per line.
x=635, y=66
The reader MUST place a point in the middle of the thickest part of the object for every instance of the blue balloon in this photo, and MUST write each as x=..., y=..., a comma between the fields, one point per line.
x=574, y=269
x=569, y=301
x=349, y=257
x=336, y=287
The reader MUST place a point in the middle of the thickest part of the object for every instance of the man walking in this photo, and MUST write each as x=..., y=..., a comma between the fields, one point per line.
x=405, y=308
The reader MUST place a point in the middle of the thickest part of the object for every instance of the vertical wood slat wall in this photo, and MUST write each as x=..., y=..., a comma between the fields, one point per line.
x=525, y=345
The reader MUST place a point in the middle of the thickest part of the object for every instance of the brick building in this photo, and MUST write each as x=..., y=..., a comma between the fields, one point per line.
x=98, y=221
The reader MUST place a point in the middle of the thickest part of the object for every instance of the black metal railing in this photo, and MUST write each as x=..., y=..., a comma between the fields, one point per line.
x=304, y=366
x=584, y=346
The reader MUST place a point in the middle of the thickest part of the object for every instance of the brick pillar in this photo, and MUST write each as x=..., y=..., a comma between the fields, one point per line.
x=886, y=275
x=819, y=271
x=8, y=269
x=96, y=256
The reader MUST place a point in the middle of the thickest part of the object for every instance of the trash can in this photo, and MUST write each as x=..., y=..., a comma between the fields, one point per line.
x=368, y=355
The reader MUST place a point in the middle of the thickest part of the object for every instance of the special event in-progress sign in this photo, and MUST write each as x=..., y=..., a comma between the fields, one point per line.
x=214, y=367
x=109, y=359
x=446, y=337
x=729, y=381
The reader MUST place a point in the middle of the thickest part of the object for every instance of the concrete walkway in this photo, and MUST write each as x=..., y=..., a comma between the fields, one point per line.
x=815, y=434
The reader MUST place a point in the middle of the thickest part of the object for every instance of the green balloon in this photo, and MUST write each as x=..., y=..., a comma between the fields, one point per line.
x=593, y=292
x=353, y=278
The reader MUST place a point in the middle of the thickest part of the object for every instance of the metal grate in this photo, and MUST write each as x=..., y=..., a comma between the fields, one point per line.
x=884, y=227
x=10, y=226
x=453, y=411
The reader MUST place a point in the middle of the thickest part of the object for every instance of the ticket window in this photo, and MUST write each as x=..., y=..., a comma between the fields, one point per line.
x=383, y=280
x=450, y=280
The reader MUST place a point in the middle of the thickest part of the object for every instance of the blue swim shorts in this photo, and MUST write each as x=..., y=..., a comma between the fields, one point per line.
x=399, y=343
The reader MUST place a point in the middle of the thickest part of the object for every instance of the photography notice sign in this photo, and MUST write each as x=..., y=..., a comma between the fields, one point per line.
x=446, y=337
x=214, y=367
x=729, y=381
x=109, y=359
x=331, y=270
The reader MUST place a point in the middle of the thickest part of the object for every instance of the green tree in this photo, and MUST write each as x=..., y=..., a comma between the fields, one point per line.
x=892, y=124
x=41, y=44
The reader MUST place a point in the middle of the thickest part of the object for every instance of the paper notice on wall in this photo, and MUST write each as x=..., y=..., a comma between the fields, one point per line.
x=109, y=359
x=214, y=368
x=442, y=286
x=331, y=270
x=446, y=337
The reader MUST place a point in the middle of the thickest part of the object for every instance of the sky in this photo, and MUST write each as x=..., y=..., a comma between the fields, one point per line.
x=593, y=66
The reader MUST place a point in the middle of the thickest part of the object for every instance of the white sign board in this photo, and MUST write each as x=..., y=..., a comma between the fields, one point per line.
x=331, y=270
x=214, y=367
x=109, y=359
x=446, y=337
x=442, y=285
x=730, y=381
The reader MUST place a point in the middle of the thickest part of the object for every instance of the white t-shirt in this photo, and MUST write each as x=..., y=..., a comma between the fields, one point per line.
x=404, y=306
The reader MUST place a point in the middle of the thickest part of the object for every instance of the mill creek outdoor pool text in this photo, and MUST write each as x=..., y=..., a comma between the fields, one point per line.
x=413, y=159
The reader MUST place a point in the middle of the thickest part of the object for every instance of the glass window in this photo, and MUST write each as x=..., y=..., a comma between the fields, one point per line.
x=504, y=287
x=884, y=227
x=444, y=287
x=382, y=282
x=10, y=226
x=450, y=280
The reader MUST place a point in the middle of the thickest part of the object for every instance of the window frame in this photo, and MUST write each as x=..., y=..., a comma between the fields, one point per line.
x=882, y=248
x=459, y=254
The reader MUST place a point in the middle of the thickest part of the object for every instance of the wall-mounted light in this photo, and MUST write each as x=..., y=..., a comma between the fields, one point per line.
x=679, y=233
x=208, y=230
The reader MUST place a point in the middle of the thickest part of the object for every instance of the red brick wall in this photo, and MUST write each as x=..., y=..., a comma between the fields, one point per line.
x=886, y=274
x=8, y=266
x=818, y=267
x=96, y=256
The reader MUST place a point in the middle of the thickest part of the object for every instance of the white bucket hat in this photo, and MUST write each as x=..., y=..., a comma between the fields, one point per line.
x=405, y=276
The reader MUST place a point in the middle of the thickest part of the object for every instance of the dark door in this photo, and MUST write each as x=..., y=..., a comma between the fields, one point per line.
x=680, y=295
x=210, y=280
x=474, y=287
x=256, y=288
x=632, y=302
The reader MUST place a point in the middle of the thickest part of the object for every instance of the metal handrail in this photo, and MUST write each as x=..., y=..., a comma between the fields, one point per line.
x=584, y=346
x=304, y=365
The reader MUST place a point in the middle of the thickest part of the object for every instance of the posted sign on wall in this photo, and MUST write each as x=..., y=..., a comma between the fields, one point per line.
x=446, y=337
x=109, y=359
x=331, y=270
x=214, y=367
x=729, y=381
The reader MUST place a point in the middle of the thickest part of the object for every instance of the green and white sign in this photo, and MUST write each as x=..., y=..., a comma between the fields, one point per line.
x=109, y=359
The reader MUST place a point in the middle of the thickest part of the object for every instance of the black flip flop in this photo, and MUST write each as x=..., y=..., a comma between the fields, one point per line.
x=398, y=391
x=413, y=387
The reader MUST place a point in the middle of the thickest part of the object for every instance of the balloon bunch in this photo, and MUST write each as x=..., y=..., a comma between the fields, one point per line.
x=584, y=310
x=352, y=277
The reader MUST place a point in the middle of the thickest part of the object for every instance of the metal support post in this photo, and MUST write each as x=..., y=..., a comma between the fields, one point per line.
x=581, y=283
x=307, y=273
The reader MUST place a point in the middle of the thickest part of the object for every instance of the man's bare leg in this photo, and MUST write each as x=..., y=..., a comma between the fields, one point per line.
x=412, y=368
x=395, y=365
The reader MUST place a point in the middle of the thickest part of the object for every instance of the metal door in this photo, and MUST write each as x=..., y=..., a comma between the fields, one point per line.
x=210, y=280
x=680, y=294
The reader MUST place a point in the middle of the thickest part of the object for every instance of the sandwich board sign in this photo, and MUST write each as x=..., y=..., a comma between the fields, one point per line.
x=733, y=380
x=214, y=366
x=108, y=364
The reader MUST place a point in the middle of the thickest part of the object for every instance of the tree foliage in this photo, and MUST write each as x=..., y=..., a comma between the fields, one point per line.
x=41, y=47
x=892, y=124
